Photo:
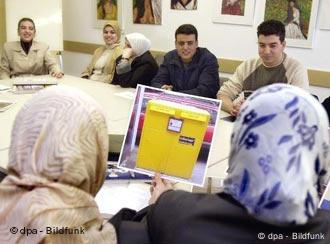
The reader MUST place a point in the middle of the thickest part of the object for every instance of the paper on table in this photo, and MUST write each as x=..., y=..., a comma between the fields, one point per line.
x=4, y=87
x=4, y=105
x=113, y=197
x=126, y=94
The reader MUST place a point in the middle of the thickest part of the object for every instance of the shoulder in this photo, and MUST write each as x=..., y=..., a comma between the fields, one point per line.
x=205, y=52
x=40, y=45
x=291, y=63
x=99, y=50
x=249, y=65
x=171, y=54
x=8, y=46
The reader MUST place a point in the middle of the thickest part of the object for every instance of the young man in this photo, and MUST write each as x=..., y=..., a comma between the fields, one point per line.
x=188, y=69
x=272, y=66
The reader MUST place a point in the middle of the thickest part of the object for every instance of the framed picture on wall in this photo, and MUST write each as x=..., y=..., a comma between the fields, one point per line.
x=147, y=12
x=299, y=18
x=184, y=4
x=238, y=12
x=324, y=18
x=106, y=10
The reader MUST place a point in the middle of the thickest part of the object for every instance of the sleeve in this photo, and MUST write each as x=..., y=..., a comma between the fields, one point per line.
x=208, y=83
x=234, y=85
x=299, y=77
x=135, y=75
x=4, y=65
x=51, y=62
x=163, y=76
x=89, y=69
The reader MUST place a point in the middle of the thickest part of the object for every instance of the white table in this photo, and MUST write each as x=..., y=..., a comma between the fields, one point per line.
x=117, y=110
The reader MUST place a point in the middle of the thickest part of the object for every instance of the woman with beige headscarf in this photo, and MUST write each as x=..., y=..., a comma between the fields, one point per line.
x=57, y=164
x=102, y=66
x=136, y=65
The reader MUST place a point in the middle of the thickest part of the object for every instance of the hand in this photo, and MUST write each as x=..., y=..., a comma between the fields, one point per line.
x=237, y=106
x=127, y=52
x=167, y=87
x=158, y=187
x=57, y=74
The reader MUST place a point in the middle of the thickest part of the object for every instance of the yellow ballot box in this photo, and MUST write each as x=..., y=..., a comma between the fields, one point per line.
x=171, y=138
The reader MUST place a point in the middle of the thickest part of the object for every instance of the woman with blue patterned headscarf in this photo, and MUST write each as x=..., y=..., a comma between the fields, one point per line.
x=279, y=155
x=278, y=166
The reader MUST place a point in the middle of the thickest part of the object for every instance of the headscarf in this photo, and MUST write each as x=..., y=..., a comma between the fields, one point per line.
x=279, y=156
x=139, y=43
x=57, y=163
x=115, y=27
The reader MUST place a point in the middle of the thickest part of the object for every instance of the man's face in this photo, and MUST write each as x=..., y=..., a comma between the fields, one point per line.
x=26, y=31
x=186, y=46
x=270, y=49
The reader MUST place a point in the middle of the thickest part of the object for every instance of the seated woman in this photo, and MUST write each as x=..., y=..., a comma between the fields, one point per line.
x=57, y=164
x=278, y=164
x=27, y=57
x=136, y=65
x=102, y=66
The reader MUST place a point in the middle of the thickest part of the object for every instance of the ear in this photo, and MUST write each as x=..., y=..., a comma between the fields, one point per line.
x=284, y=44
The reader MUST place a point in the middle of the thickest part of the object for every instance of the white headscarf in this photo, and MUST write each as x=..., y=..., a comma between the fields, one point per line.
x=139, y=43
x=57, y=163
x=279, y=155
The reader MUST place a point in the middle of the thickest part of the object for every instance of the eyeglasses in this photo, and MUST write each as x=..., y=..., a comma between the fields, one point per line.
x=182, y=43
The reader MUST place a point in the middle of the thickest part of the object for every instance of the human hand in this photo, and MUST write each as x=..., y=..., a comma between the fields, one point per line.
x=167, y=87
x=158, y=187
x=127, y=52
x=57, y=74
x=237, y=103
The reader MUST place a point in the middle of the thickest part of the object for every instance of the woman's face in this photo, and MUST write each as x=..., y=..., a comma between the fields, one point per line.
x=291, y=3
x=109, y=35
x=26, y=31
x=127, y=45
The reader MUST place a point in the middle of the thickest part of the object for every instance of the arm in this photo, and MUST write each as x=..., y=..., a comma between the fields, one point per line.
x=52, y=65
x=89, y=69
x=4, y=66
x=230, y=90
x=208, y=83
x=162, y=78
x=134, y=76
x=298, y=76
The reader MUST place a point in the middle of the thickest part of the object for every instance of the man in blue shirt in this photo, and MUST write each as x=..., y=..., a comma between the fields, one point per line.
x=188, y=69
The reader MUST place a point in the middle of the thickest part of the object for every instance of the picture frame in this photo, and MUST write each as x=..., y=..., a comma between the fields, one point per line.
x=299, y=31
x=100, y=20
x=239, y=12
x=324, y=22
x=189, y=5
x=147, y=12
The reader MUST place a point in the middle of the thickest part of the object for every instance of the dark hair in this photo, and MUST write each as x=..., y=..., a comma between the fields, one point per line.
x=25, y=19
x=187, y=29
x=272, y=27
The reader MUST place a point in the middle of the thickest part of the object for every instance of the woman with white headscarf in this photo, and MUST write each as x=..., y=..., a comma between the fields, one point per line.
x=57, y=164
x=278, y=165
x=136, y=65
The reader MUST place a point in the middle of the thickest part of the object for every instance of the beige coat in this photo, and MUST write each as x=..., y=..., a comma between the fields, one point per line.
x=15, y=62
x=110, y=66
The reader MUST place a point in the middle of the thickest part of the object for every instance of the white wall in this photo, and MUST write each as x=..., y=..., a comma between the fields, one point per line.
x=224, y=40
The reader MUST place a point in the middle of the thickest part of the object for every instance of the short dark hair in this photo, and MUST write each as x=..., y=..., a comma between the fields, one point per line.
x=25, y=19
x=272, y=27
x=187, y=29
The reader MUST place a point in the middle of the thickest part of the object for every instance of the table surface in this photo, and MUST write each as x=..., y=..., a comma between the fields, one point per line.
x=117, y=109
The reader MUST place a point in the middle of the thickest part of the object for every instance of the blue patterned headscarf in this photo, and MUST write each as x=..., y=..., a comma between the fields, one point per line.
x=279, y=157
